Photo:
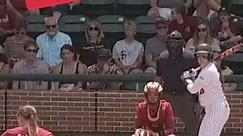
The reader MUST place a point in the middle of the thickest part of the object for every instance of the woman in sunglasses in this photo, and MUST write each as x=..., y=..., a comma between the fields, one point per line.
x=203, y=35
x=94, y=40
x=208, y=87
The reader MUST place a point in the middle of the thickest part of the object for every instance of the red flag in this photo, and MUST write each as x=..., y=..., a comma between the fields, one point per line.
x=36, y=4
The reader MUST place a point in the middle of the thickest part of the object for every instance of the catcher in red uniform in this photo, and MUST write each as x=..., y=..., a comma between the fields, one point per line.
x=27, y=121
x=154, y=116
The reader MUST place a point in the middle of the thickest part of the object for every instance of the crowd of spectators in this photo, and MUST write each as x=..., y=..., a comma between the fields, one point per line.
x=53, y=52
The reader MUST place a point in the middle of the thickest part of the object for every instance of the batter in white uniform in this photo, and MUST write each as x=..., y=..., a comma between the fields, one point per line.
x=210, y=93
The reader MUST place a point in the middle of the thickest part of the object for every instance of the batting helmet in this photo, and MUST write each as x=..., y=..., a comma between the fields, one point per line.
x=205, y=48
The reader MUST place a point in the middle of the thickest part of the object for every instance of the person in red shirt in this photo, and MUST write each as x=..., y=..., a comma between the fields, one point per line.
x=186, y=25
x=10, y=19
x=154, y=117
x=27, y=121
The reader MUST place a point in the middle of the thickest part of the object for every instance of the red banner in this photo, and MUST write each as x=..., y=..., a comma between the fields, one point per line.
x=36, y=4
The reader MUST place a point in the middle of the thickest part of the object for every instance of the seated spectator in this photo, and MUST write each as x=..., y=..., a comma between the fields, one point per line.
x=128, y=53
x=94, y=40
x=156, y=45
x=163, y=8
x=69, y=65
x=4, y=69
x=27, y=124
x=30, y=65
x=227, y=28
x=51, y=42
x=104, y=66
x=186, y=25
x=154, y=116
x=10, y=18
x=14, y=45
x=203, y=35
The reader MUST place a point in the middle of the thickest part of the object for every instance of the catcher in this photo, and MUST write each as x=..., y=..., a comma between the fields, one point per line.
x=154, y=116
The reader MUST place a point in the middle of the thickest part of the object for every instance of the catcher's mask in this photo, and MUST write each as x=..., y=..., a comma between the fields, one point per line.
x=175, y=44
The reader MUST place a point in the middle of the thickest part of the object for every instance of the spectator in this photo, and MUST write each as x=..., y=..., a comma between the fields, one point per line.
x=69, y=65
x=169, y=70
x=27, y=124
x=153, y=114
x=186, y=25
x=104, y=66
x=227, y=28
x=51, y=42
x=63, y=9
x=94, y=37
x=9, y=19
x=14, y=45
x=4, y=69
x=128, y=53
x=203, y=35
x=156, y=45
x=30, y=65
x=163, y=8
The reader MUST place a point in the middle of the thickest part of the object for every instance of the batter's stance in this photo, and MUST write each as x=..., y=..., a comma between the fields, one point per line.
x=210, y=93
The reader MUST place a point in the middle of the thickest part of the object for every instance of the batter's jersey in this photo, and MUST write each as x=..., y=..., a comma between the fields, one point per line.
x=156, y=121
x=23, y=131
x=208, y=86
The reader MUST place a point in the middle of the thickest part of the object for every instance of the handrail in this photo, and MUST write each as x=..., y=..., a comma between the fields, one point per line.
x=94, y=77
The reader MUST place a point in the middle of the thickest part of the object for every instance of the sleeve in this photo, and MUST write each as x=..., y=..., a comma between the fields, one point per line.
x=39, y=53
x=159, y=68
x=169, y=120
x=69, y=40
x=142, y=49
x=115, y=53
x=138, y=118
x=199, y=83
x=148, y=48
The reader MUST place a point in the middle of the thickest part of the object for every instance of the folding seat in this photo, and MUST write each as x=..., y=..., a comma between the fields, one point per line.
x=113, y=28
x=74, y=26
x=35, y=25
x=132, y=8
x=95, y=8
x=145, y=28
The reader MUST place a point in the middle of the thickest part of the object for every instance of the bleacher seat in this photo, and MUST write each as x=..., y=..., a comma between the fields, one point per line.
x=35, y=25
x=145, y=28
x=235, y=62
x=132, y=8
x=236, y=7
x=74, y=26
x=95, y=8
x=113, y=27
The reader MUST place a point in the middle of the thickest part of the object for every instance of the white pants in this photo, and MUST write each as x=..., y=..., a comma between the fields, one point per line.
x=216, y=116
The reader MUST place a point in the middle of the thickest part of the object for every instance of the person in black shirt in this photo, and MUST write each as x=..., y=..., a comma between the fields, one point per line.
x=170, y=66
x=94, y=41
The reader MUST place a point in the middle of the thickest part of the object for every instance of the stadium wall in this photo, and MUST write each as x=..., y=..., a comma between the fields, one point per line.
x=89, y=111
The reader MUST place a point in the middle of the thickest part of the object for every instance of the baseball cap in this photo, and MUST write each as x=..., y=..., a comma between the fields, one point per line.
x=222, y=11
x=104, y=53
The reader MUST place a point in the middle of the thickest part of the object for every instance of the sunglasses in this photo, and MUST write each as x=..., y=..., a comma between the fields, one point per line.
x=93, y=29
x=51, y=26
x=18, y=32
x=32, y=50
x=202, y=29
x=162, y=27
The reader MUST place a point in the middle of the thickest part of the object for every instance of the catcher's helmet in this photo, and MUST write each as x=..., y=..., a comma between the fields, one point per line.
x=153, y=85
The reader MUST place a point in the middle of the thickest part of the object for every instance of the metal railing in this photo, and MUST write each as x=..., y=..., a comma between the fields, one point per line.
x=94, y=77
